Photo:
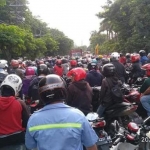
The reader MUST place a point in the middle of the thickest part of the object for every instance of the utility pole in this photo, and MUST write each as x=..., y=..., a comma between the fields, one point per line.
x=17, y=10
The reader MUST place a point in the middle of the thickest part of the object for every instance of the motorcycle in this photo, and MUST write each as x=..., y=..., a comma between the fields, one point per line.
x=125, y=139
x=144, y=134
x=132, y=95
x=98, y=124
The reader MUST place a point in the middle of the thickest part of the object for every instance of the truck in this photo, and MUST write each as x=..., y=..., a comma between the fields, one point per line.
x=76, y=53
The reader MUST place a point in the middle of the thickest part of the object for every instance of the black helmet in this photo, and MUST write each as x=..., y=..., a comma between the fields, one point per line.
x=108, y=70
x=105, y=61
x=42, y=69
x=92, y=66
x=52, y=88
x=142, y=53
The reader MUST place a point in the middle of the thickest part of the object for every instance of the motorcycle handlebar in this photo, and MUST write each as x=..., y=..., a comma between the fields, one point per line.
x=117, y=140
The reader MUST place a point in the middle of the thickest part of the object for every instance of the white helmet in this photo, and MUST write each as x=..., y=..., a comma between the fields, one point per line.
x=13, y=81
x=115, y=56
x=3, y=64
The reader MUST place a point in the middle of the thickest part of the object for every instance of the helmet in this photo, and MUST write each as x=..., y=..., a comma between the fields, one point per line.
x=29, y=71
x=108, y=70
x=11, y=83
x=58, y=62
x=14, y=63
x=73, y=63
x=115, y=56
x=42, y=69
x=52, y=88
x=142, y=53
x=105, y=61
x=100, y=56
x=79, y=64
x=3, y=64
x=94, y=60
x=77, y=73
x=135, y=57
x=127, y=55
x=92, y=66
x=147, y=68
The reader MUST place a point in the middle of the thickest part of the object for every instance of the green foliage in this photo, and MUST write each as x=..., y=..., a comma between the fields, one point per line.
x=96, y=38
x=130, y=21
x=28, y=36
x=2, y=3
x=12, y=40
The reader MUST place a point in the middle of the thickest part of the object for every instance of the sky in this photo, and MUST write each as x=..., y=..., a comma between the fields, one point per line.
x=75, y=18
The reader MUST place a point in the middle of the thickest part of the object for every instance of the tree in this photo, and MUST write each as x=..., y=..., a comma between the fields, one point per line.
x=11, y=40
x=64, y=43
x=2, y=2
x=96, y=38
x=129, y=20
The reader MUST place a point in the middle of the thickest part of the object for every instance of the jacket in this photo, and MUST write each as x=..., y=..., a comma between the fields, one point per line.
x=120, y=69
x=59, y=127
x=26, y=83
x=33, y=88
x=105, y=94
x=94, y=78
x=14, y=116
x=80, y=96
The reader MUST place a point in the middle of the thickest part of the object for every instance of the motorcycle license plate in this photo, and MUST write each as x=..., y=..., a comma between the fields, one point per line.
x=108, y=138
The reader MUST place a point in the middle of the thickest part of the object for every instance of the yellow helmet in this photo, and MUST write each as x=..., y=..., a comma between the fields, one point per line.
x=100, y=56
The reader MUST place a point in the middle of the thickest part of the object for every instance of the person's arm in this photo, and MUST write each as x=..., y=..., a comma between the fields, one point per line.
x=94, y=147
x=147, y=91
x=29, y=139
x=25, y=114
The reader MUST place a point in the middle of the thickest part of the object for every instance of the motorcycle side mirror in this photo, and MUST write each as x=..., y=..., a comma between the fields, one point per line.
x=146, y=120
x=92, y=116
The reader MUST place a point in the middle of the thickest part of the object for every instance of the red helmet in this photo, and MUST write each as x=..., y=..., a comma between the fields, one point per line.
x=135, y=58
x=30, y=71
x=73, y=63
x=77, y=73
x=147, y=68
x=14, y=63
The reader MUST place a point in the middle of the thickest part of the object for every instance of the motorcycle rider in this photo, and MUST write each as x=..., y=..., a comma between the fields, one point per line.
x=93, y=77
x=109, y=71
x=57, y=125
x=143, y=58
x=122, y=59
x=29, y=76
x=58, y=69
x=73, y=64
x=14, y=68
x=13, y=112
x=145, y=91
x=79, y=91
x=42, y=71
x=148, y=56
x=136, y=67
x=120, y=69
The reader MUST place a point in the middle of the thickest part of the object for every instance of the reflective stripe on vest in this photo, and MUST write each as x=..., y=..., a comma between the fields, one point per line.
x=53, y=126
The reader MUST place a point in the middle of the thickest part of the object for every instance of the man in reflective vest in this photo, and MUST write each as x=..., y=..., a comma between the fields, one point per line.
x=58, y=126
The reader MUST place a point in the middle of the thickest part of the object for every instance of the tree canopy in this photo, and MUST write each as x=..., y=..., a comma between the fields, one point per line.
x=22, y=34
x=126, y=24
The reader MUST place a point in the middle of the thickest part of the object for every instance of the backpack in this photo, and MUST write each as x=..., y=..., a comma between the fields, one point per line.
x=117, y=95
